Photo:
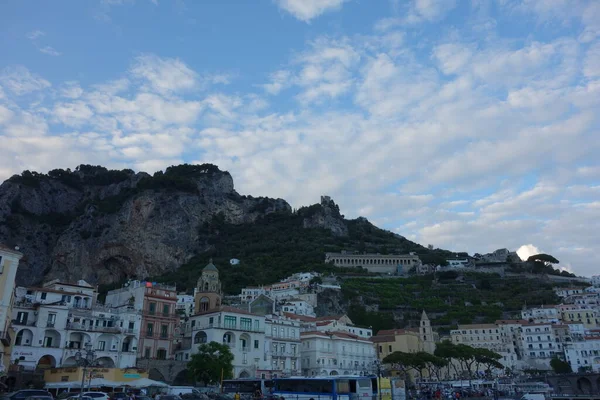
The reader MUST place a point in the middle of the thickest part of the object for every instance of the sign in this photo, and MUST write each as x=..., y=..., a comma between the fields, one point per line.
x=131, y=376
x=398, y=389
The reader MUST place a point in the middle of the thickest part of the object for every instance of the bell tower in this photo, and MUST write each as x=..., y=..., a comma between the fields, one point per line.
x=207, y=295
x=426, y=336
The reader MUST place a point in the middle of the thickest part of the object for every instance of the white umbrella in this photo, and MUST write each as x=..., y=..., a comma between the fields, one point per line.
x=145, y=382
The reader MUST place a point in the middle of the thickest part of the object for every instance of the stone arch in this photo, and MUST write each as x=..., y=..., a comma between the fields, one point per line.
x=584, y=386
x=51, y=338
x=229, y=339
x=204, y=303
x=24, y=337
x=156, y=375
x=323, y=373
x=333, y=373
x=69, y=362
x=244, y=374
x=77, y=340
x=245, y=341
x=564, y=385
x=200, y=337
x=107, y=342
x=129, y=344
x=106, y=362
x=183, y=378
x=46, y=361
x=346, y=372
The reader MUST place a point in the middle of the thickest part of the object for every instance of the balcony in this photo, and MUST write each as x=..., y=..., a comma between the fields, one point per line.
x=80, y=327
x=5, y=338
x=50, y=324
x=149, y=335
x=22, y=323
x=228, y=327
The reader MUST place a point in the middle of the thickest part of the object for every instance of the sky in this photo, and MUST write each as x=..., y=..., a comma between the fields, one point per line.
x=470, y=125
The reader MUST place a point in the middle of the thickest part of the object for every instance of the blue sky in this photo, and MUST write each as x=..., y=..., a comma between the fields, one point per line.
x=467, y=124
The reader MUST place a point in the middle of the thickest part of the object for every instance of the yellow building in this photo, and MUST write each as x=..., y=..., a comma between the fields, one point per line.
x=9, y=262
x=70, y=374
x=586, y=315
x=409, y=340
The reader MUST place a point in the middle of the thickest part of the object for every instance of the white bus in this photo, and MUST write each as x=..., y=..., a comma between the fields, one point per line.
x=325, y=388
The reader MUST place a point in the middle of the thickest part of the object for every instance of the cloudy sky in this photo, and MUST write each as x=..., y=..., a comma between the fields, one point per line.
x=471, y=125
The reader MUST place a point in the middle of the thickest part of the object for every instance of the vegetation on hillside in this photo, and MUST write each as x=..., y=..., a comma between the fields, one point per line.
x=452, y=299
x=278, y=245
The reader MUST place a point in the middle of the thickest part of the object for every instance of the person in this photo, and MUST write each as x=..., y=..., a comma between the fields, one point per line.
x=236, y=396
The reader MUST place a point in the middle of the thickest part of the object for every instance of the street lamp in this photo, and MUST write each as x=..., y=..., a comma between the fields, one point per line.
x=85, y=359
x=377, y=364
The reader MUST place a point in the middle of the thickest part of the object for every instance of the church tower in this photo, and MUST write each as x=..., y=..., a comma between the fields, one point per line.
x=426, y=334
x=207, y=295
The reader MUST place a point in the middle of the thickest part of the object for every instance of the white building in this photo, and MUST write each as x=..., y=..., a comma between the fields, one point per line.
x=185, y=305
x=336, y=353
x=566, y=292
x=299, y=307
x=596, y=280
x=9, y=263
x=543, y=313
x=584, y=354
x=282, y=347
x=539, y=345
x=458, y=264
x=55, y=321
x=242, y=331
x=493, y=337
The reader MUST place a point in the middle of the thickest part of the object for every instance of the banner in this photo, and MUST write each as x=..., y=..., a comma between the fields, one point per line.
x=398, y=389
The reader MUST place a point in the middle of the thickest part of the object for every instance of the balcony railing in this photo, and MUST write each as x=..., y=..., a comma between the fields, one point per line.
x=23, y=323
x=80, y=327
x=149, y=334
x=50, y=324
x=229, y=327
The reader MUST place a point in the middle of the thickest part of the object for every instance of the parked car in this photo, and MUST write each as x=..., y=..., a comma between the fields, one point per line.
x=97, y=395
x=76, y=397
x=39, y=398
x=118, y=396
x=24, y=394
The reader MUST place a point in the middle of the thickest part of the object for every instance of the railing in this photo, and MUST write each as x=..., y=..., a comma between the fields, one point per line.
x=79, y=327
x=149, y=334
x=23, y=323
x=228, y=327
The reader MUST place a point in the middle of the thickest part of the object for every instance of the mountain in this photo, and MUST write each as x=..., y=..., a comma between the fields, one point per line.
x=106, y=226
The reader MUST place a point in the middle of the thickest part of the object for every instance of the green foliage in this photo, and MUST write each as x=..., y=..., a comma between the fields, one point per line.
x=490, y=296
x=376, y=320
x=560, y=367
x=212, y=361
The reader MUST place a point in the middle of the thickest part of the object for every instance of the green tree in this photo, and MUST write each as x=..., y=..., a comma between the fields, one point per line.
x=212, y=361
x=559, y=366
x=316, y=281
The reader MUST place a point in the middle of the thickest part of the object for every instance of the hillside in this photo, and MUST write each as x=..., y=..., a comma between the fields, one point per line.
x=450, y=298
x=106, y=226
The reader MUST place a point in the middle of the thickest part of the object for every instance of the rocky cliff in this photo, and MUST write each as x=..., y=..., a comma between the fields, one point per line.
x=105, y=226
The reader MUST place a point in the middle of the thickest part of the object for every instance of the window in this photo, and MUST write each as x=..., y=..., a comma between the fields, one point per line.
x=131, y=325
x=152, y=308
x=147, y=352
x=230, y=322
x=164, y=331
x=256, y=344
x=161, y=354
x=166, y=309
x=51, y=319
x=256, y=325
x=101, y=345
x=381, y=349
x=390, y=348
x=245, y=324
x=149, y=330
x=43, y=296
x=274, y=331
x=293, y=346
x=211, y=321
x=22, y=318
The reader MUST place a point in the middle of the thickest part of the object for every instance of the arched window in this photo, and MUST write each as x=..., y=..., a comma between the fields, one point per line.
x=204, y=304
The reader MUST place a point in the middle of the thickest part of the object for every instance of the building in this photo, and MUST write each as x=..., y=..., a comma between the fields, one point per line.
x=54, y=322
x=595, y=281
x=543, y=313
x=9, y=263
x=539, y=345
x=589, y=316
x=282, y=347
x=410, y=340
x=378, y=263
x=185, y=305
x=299, y=307
x=488, y=336
x=336, y=353
x=584, y=354
x=157, y=304
x=566, y=292
x=459, y=263
x=241, y=330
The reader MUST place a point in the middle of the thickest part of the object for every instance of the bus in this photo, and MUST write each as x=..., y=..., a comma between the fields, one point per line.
x=247, y=387
x=325, y=388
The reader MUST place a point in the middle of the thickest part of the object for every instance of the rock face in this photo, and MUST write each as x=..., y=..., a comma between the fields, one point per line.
x=104, y=226
x=328, y=217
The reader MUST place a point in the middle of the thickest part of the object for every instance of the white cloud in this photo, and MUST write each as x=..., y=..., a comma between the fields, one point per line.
x=305, y=10
x=71, y=90
x=35, y=35
x=20, y=80
x=72, y=114
x=164, y=75
x=591, y=66
x=51, y=51
x=429, y=10
x=5, y=114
